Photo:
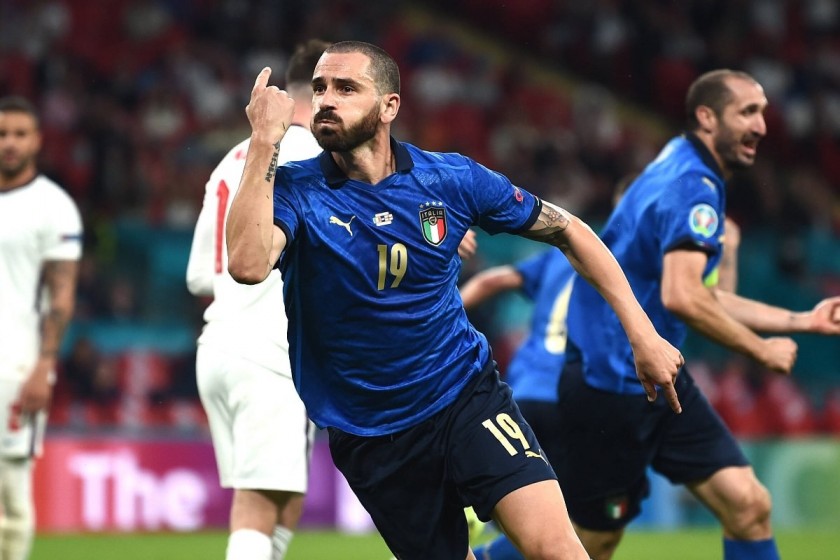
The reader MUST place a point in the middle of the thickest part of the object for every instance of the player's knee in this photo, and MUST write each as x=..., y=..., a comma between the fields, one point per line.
x=600, y=545
x=750, y=513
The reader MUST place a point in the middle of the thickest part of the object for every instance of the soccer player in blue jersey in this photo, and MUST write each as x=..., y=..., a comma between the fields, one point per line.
x=534, y=371
x=666, y=233
x=366, y=236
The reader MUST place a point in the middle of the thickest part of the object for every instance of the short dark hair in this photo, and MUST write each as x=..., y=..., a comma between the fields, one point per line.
x=303, y=61
x=711, y=90
x=386, y=73
x=18, y=104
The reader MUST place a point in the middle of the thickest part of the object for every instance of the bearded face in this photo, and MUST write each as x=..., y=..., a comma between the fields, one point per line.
x=334, y=136
x=19, y=144
x=737, y=149
x=740, y=125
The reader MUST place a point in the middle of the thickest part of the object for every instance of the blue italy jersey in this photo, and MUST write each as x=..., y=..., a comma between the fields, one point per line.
x=534, y=370
x=378, y=337
x=678, y=201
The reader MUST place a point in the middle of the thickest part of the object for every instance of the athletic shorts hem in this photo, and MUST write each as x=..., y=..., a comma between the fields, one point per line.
x=501, y=490
x=706, y=473
x=263, y=485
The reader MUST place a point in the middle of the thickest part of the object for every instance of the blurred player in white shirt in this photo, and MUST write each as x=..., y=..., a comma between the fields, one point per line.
x=40, y=246
x=261, y=433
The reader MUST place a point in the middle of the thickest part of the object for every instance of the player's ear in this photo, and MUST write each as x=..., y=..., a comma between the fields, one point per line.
x=706, y=117
x=390, y=107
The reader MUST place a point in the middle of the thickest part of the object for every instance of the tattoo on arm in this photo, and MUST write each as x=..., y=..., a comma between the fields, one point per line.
x=550, y=225
x=272, y=166
x=60, y=280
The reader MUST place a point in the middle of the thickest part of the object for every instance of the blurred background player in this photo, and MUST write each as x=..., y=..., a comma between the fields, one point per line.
x=534, y=370
x=261, y=434
x=667, y=232
x=40, y=246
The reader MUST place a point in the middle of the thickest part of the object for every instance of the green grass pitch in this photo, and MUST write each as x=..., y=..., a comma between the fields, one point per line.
x=328, y=545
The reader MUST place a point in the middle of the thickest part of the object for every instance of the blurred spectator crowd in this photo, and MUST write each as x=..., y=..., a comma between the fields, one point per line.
x=140, y=98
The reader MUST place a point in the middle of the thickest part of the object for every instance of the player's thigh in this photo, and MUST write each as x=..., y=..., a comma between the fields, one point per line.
x=400, y=479
x=545, y=419
x=272, y=434
x=211, y=367
x=492, y=451
x=696, y=444
x=261, y=434
x=416, y=483
x=605, y=443
x=536, y=516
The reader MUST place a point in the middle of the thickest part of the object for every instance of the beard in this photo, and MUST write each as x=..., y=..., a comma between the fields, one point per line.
x=345, y=139
x=13, y=168
x=727, y=144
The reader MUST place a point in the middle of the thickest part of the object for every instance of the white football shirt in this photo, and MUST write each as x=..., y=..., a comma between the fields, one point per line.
x=246, y=320
x=38, y=222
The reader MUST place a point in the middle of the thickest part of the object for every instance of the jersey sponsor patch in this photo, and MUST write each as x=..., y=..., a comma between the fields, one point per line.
x=433, y=222
x=383, y=218
x=703, y=220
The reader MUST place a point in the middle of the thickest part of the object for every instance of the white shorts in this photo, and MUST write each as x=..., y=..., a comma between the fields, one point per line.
x=261, y=434
x=21, y=435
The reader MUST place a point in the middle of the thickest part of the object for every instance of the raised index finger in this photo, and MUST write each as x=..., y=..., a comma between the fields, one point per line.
x=262, y=78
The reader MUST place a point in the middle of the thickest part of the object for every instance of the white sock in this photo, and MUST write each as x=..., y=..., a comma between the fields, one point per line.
x=248, y=544
x=280, y=542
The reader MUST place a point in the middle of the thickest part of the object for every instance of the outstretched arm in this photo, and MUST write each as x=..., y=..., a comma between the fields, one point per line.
x=468, y=246
x=824, y=318
x=489, y=283
x=723, y=316
x=657, y=361
x=254, y=243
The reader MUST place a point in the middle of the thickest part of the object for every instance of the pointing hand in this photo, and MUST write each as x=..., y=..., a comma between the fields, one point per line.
x=270, y=109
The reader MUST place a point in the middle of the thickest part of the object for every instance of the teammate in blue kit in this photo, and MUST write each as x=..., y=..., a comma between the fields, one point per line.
x=666, y=233
x=534, y=371
x=366, y=236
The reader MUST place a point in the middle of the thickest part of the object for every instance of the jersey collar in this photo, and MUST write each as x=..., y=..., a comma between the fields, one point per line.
x=704, y=153
x=335, y=177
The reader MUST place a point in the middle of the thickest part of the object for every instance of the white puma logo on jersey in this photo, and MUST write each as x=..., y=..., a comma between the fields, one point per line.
x=345, y=225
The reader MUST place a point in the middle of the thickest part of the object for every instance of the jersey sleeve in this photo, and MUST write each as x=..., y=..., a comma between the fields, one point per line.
x=691, y=214
x=208, y=252
x=285, y=215
x=63, y=237
x=201, y=264
x=501, y=206
x=298, y=144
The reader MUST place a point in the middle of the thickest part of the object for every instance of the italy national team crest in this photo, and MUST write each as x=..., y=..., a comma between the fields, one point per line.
x=433, y=222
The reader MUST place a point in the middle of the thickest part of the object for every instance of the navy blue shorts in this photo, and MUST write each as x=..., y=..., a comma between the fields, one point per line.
x=608, y=440
x=416, y=483
x=544, y=419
